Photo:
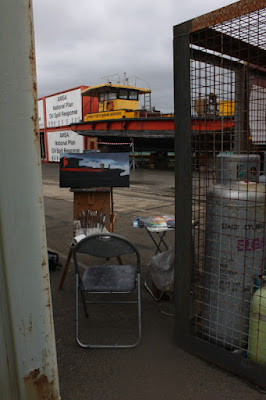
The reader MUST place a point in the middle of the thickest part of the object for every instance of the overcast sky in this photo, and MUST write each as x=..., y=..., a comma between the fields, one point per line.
x=78, y=42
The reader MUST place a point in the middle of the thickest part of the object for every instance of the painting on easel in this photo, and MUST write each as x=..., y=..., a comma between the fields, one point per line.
x=87, y=170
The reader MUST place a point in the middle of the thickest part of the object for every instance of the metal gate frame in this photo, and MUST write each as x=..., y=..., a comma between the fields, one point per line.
x=183, y=37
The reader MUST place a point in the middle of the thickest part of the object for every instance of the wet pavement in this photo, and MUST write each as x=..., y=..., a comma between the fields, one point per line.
x=157, y=369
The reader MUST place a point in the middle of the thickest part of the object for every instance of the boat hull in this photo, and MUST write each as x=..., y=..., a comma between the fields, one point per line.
x=84, y=179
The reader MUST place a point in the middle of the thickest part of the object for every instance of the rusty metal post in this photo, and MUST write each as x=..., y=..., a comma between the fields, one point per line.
x=28, y=368
x=183, y=182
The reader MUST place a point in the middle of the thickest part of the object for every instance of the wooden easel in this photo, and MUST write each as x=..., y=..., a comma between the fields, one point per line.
x=96, y=199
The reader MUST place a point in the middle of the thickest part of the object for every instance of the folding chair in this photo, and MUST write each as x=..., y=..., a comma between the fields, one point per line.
x=107, y=278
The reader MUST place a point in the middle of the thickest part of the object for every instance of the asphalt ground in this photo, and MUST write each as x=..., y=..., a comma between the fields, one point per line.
x=156, y=369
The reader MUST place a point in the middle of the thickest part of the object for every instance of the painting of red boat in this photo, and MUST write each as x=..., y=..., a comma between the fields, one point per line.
x=87, y=170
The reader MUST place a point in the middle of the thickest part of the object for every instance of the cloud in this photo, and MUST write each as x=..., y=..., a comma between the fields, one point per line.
x=79, y=42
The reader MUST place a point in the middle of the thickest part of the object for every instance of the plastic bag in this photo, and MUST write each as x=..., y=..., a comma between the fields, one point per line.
x=161, y=267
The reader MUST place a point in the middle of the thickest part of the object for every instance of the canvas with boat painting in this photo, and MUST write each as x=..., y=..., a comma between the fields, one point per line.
x=87, y=170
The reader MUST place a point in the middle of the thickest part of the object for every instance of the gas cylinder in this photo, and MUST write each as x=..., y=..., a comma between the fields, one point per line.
x=262, y=179
x=231, y=168
x=257, y=327
x=234, y=255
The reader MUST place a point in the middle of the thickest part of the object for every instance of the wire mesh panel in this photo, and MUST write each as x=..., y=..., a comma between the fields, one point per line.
x=227, y=106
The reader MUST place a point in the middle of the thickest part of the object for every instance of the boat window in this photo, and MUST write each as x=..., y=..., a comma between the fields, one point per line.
x=123, y=94
x=112, y=96
x=133, y=95
x=101, y=97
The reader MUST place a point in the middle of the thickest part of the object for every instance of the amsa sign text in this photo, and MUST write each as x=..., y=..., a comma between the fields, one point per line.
x=64, y=109
x=63, y=142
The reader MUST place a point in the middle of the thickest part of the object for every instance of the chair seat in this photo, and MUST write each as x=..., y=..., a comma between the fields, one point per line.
x=109, y=278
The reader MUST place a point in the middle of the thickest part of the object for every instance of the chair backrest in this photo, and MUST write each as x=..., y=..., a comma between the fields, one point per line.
x=106, y=245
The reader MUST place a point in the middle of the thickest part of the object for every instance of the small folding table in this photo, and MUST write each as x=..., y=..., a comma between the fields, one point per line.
x=157, y=235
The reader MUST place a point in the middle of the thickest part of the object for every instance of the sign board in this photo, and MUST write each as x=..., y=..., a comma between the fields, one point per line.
x=41, y=114
x=80, y=171
x=106, y=115
x=64, y=108
x=63, y=142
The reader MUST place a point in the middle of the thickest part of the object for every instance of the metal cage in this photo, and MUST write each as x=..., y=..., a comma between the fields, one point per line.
x=220, y=134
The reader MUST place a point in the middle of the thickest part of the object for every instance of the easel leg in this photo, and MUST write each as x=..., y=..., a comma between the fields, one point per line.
x=66, y=267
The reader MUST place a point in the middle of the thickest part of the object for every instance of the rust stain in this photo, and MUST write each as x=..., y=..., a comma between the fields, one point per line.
x=38, y=387
x=32, y=50
x=226, y=13
x=44, y=263
x=34, y=83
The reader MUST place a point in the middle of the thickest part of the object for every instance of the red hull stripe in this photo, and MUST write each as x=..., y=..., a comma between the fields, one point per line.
x=83, y=169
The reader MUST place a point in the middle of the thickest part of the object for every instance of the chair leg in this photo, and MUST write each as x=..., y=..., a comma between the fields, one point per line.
x=139, y=310
x=84, y=303
x=77, y=307
x=78, y=288
x=82, y=297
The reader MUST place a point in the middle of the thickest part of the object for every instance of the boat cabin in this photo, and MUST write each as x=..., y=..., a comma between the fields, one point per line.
x=116, y=101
